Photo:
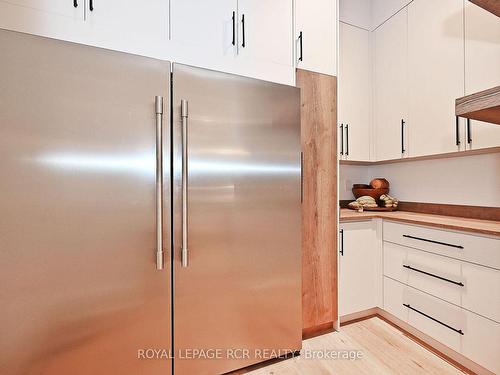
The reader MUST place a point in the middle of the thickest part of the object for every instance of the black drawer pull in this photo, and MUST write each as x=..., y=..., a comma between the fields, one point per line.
x=433, y=319
x=457, y=131
x=342, y=139
x=432, y=241
x=347, y=139
x=243, y=44
x=300, y=44
x=432, y=275
x=234, y=29
x=75, y=3
x=403, y=150
x=469, y=134
x=342, y=242
x=91, y=5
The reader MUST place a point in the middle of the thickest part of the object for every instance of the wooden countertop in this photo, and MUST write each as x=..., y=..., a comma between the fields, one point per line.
x=446, y=222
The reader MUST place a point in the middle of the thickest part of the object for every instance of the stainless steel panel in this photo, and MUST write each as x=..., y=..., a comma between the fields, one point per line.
x=242, y=288
x=79, y=289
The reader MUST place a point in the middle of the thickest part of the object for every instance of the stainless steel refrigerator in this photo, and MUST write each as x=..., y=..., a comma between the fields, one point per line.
x=150, y=214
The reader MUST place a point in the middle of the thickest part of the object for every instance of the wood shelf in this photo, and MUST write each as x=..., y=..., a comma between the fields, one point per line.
x=482, y=106
x=492, y=6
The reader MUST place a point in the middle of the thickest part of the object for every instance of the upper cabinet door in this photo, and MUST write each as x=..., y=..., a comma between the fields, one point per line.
x=127, y=25
x=316, y=35
x=265, y=40
x=54, y=18
x=355, y=91
x=204, y=33
x=436, y=74
x=265, y=31
x=391, y=88
x=482, y=68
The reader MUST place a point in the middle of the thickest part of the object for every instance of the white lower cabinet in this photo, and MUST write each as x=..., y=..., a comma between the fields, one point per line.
x=470, y=334
x=360, y=284
x=445, y=284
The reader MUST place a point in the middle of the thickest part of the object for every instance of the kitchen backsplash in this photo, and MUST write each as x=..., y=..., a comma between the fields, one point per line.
x=468, y=180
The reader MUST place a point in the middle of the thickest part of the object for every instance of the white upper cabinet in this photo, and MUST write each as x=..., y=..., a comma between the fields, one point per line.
x=128, y=25
x=436, y=74
x=265, y=40
x=250, y=38
x=354, y=94
x=391, y=88
x=265, y=31
x=54, y=18
x=316, y=35
x=482, y=68
x=204, y=32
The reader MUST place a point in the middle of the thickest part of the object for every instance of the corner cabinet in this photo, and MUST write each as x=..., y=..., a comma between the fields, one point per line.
x=360, y=267
x=482, y=69
x=355, y=72
x=316, y=35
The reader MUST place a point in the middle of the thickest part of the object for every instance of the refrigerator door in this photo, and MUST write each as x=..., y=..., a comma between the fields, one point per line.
x=240, y=285
x=79, y=286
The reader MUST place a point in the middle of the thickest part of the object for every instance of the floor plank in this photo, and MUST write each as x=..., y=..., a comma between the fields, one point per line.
x=385, y=350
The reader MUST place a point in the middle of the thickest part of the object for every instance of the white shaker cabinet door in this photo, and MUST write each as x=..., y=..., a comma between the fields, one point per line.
x=140, y=27
x=436, y=74
x=360, y=285
x=391, y=88
x=482, y=68
x=316, y=24
x=355, y=91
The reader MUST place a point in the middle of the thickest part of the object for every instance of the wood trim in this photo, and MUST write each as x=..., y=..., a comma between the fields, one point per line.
x=443, y=209
x=492, y=6
x=319, y=208
x=457, y=154
x=470, y=212
x=318, y=330
x=358, y=316
x=483, y=105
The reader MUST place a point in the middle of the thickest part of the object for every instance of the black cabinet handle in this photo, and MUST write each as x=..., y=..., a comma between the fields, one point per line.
x=469, y=134
x=457, y=131
x=342, y=139
x=75, y=3
x=243, y=30
x=432, y=275
x=433, y=319
x=91, y=5
x=300, y=45
x=432, y=241
x=234, y=29
x=347, y=139
x=342, y=242
x=403, y=136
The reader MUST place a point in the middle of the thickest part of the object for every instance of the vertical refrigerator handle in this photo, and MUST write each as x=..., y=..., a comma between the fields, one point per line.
x=159, y=182
x=184, y=246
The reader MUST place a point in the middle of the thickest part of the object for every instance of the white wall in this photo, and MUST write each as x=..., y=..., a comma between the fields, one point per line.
x=468, y=180
x=356, y=13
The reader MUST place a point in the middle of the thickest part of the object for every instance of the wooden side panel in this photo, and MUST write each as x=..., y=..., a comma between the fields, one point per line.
x=319, y=209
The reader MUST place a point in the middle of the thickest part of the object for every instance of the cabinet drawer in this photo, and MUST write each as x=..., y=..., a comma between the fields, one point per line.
x=433, y=274
x=474, y=336
x=475, y=249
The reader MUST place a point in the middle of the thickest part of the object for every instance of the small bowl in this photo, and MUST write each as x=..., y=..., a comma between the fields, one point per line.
x=361, y=186
x=374, y=193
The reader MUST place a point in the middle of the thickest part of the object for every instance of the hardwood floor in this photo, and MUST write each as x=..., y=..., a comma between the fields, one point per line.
x=385, y=350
